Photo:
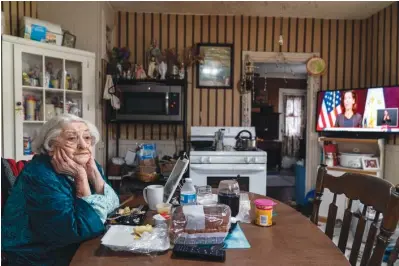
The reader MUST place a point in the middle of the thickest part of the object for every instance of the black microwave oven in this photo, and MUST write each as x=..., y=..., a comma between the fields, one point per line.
x=150, y=102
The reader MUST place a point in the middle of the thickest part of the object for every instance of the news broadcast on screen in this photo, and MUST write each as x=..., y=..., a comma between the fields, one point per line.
x=358, y=110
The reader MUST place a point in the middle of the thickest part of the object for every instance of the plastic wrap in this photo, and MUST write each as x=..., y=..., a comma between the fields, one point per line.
x=244, y=215
x=198, y=224
x=122, y=238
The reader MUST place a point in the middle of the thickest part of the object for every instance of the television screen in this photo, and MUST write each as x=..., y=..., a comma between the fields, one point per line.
x=360, y=110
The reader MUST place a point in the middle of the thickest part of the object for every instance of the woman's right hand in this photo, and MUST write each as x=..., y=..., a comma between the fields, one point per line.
x=65, y=165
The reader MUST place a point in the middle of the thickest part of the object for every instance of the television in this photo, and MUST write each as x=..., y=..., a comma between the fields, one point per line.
x=370, y=110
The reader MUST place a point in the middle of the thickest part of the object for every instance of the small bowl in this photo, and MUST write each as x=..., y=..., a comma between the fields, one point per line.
x=164, y=208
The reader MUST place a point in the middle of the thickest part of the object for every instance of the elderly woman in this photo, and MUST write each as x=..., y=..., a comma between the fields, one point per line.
x=60, y=199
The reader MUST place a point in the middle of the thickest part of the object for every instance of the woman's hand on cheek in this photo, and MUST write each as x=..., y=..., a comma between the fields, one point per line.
x=65, y=165
x=94, y=176
x=91, y=168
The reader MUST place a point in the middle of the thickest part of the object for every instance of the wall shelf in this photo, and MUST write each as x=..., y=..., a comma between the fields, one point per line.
x=132, y=82
x=380, y=143
x=169, y=82
x=34, y=122
x=322, y=139
x=353, y=170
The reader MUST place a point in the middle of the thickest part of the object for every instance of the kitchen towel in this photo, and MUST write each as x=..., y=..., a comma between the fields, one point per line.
x=236, y=239
x=109, y=93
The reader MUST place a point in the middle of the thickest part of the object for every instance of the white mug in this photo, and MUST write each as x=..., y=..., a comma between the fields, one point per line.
x=153, y=195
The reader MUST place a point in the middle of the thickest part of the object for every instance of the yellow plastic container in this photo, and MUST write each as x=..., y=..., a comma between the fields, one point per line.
x=264, y=212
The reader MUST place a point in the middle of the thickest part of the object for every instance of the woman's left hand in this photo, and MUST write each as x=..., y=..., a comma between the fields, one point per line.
x=94, y=176
x=91, y=169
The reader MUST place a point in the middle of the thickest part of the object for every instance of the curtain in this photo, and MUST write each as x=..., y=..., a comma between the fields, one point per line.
x=294, y=120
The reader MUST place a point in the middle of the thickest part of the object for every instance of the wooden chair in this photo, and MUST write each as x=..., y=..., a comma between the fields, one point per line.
x=371, y=191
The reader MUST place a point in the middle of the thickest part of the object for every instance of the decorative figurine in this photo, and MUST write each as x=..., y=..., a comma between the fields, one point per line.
x=162, y=68
x=181, y=71
x=119, y=67
x=47, y=75
x=47, y=78
x=151, y=67
x=140, y=73
x=25, y=79
x=68, y=82
x=34, y=75
x=154, y=51
x=175, y=71
x=129, y=74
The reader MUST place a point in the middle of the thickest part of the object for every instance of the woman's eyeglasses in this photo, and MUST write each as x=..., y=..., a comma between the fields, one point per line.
x=75, y=139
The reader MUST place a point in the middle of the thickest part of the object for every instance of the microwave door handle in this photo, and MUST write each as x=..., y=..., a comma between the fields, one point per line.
x=167, y=102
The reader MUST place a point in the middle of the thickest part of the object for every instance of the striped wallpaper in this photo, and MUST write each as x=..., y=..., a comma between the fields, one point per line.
x=356, y=56
x=382, y=46
x=359, y=53
x=13, y=11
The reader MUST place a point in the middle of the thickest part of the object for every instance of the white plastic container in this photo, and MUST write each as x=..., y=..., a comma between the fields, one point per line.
x=188, y=194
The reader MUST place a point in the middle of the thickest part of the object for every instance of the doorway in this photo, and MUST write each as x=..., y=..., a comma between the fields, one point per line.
x=292, y=134
x=312, y=86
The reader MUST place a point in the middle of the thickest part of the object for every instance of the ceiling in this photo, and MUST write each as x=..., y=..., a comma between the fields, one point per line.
x=307, y=9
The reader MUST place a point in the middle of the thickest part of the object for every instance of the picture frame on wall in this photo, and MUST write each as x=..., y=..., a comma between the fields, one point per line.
x=217, y=69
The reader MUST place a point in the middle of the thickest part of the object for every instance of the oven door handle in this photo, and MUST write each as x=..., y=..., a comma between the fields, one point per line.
x=228, y=168
x=167, y=102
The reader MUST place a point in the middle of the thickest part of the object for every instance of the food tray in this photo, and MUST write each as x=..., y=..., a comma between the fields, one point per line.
x=131, y=219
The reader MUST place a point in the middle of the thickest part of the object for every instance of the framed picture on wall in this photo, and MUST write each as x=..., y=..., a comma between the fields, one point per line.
x=216, y=70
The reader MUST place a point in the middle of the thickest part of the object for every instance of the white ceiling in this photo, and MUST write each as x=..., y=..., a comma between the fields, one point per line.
x=305, y=9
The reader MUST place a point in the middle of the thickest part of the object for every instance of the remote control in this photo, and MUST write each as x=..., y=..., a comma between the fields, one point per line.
x=212, y=253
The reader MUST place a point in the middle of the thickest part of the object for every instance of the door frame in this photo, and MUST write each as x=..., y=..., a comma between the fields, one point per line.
x=313, y=86
x=281, y=93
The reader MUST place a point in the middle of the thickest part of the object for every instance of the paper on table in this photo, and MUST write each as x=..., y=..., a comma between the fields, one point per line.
x=236, y=239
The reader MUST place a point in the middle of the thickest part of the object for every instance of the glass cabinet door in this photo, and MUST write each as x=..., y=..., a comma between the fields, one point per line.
x=29, y=99
x=46, y=84
x=73, y=88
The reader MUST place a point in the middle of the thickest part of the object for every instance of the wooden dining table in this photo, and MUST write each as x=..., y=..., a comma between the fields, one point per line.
x=291, y=240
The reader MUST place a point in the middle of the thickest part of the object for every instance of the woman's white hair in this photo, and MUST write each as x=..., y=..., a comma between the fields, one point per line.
x=53, y=128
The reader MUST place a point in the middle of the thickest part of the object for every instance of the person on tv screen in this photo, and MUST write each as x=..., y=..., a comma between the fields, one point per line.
x=386, y=120
x=349, y=117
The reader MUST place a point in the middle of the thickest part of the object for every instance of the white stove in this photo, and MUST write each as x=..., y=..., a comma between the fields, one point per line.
x=209, y=167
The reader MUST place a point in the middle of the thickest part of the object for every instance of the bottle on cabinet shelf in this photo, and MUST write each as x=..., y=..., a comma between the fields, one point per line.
x=27, y=144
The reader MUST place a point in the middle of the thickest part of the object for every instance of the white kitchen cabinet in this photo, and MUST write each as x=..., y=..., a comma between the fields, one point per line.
x=28, y=103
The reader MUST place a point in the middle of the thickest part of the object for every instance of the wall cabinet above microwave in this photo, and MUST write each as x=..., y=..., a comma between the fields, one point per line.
x=150, y=101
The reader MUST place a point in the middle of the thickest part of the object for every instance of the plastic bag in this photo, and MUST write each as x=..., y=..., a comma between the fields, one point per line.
x=122, y=238
x=147, y=151
x=244, y=215
x=198, y=224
